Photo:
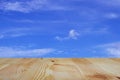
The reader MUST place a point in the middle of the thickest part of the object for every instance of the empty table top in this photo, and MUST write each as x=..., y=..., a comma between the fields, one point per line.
x=60, y=69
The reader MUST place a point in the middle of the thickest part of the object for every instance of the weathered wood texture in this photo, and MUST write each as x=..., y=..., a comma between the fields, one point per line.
x=60, y=69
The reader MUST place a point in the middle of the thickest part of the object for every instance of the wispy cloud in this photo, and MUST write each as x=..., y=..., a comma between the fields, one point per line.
x=1, y=36
x=112, y=49
x=112, y=15
x=111, y=3
x=94, y=31
x=73, y=34
x=28, y=6
x=14, y=32
x=19, y=52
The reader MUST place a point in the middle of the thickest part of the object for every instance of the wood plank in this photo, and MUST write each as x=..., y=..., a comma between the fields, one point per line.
x=60, y=69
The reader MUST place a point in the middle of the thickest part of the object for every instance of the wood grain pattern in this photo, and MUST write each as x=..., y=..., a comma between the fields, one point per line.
x=60, y=69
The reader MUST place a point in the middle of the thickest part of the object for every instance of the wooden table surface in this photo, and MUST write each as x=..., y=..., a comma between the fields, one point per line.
x=60, y=69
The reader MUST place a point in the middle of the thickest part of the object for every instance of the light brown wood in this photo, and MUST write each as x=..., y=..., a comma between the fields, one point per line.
x=60, y=69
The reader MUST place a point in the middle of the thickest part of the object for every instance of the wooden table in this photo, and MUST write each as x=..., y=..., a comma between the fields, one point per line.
x=60, y=69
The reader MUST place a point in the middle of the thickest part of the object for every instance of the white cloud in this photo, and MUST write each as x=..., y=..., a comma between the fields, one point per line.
x=114, y=51
x=73, y=34
x=28, y=6
x=113, y=48
x=110, y=49
x=19, y=52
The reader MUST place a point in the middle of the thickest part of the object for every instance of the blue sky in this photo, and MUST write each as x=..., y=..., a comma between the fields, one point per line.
x=60, y=28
